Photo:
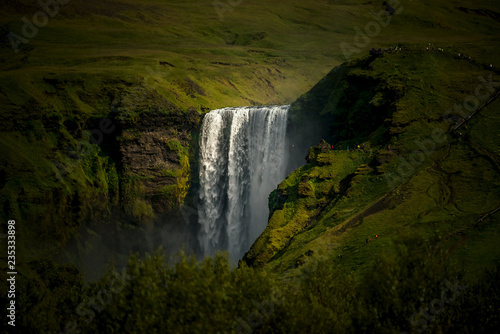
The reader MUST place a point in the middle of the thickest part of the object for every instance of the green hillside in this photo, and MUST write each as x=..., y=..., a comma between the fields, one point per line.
x=412, y=172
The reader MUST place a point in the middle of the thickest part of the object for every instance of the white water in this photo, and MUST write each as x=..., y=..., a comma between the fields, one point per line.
x=242, y=159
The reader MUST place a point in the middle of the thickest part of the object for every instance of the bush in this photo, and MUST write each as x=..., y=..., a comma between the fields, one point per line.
x=186, y=297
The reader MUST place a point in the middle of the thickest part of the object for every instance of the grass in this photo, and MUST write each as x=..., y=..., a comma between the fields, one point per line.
x=283, y=42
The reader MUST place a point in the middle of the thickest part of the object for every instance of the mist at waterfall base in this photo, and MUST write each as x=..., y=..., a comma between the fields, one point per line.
x=95, y=248
x=243, y=158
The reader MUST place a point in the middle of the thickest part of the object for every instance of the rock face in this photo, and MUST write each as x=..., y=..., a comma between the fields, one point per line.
x=155, y=157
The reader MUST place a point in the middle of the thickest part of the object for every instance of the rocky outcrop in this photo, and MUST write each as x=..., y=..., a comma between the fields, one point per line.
x=155, y=156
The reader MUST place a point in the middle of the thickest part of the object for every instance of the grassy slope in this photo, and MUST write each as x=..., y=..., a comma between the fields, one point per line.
x=226, y=58
x=289, y=44
x=444, y=196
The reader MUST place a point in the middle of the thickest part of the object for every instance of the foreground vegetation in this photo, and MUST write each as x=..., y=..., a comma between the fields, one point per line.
x=411, y=288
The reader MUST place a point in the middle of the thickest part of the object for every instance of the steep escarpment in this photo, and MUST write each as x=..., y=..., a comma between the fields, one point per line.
x=305, y=197
x=350, y=103
x=156, y=145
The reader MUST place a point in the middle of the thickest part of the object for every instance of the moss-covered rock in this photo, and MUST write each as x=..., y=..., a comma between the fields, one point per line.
x=159, y=156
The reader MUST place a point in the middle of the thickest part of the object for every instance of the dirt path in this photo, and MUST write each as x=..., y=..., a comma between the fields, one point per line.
x=465, y=120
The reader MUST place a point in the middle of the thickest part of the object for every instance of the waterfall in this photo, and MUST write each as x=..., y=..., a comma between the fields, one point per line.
x=242, y=159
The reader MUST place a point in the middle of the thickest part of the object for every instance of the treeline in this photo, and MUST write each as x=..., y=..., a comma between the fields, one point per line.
x=410, y=289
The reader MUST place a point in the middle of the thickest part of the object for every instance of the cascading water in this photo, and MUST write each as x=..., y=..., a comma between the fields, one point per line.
x=242, y=159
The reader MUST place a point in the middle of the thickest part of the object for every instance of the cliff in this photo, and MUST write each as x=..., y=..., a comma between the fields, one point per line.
x=157, y=146
x=84, y=151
